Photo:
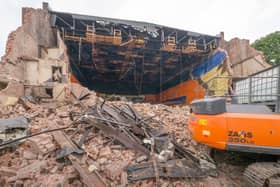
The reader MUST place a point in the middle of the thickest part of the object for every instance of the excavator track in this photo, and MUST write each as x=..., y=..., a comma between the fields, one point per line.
x=259, y=174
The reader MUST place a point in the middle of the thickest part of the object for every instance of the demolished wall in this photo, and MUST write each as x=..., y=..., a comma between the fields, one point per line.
x=34, y=34
x=11, y=79
x=245, y=59
x=39, y=70
x=33, y=51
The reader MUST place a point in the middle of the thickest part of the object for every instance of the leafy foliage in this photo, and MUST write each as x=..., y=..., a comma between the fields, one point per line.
x=270, y=46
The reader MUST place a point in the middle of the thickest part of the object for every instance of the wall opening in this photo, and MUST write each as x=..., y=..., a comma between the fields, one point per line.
x=3, y=85
x=57, y=74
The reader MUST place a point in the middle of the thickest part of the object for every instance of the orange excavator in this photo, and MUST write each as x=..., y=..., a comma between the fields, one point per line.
x=239, y=127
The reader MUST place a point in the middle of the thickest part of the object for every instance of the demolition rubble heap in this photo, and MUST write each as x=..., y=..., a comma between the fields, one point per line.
x=92, y=142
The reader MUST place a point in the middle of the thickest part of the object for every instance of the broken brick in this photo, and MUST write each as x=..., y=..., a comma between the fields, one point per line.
x=42, y=144
x=29, y=155
x=30, y=170
x=6, y=171
x=18, y=183
x=105, y=151
x=114, y=169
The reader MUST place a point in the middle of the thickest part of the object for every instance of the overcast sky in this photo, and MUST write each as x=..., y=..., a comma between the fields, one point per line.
x=249, y=19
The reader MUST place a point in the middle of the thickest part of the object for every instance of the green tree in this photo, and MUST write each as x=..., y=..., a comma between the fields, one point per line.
x=270, y=46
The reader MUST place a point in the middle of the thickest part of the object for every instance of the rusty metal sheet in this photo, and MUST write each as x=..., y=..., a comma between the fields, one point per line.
x=119, y=135
x=112, y=112
x=13, y=128
x=172, y=169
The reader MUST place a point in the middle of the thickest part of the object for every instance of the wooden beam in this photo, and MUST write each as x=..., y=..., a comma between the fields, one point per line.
x=89, y=179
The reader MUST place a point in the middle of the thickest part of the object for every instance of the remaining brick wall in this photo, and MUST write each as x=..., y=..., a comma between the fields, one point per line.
x=239, y=50
x=26, y=15
x=14, y=89
x=35, y=31
x=9, y=45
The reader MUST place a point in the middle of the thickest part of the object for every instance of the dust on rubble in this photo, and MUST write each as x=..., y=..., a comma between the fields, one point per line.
x=34, y=162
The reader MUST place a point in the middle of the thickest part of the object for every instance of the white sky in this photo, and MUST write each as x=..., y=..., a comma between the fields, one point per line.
x=249, y=19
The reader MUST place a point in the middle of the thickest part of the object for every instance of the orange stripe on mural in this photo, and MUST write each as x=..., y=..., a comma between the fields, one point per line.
x=191, y=89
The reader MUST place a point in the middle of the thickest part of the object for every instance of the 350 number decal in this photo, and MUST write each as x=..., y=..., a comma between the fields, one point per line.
x=240, y=137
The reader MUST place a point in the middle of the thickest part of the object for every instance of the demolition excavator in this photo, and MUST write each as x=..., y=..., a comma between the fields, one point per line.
x=239, y=127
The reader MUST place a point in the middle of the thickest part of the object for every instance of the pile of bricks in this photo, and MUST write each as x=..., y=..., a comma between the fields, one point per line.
x=35, y=163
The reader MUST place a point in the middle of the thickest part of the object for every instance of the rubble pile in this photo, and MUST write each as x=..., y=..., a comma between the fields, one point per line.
x=174, y=119
x=102, y=144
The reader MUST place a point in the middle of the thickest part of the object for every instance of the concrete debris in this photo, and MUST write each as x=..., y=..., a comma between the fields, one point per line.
x=92, y=168
x=13, y=128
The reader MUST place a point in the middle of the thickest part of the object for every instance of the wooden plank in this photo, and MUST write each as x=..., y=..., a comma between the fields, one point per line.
x=89, y=179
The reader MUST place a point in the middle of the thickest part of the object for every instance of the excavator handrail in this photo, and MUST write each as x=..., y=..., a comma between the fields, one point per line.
x=269, y=99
